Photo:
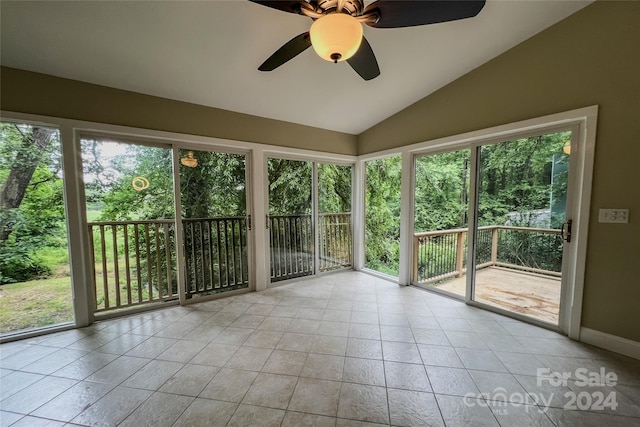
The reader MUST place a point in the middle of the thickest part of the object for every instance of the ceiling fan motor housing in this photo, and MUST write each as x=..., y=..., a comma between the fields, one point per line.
x=353, y=7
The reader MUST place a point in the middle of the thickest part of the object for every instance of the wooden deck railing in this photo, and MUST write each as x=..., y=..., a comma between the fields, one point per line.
x=336, y=249
x=215, y=254
x=292, y=244
x=291, y=238
x=441, y=254
x=133, y=262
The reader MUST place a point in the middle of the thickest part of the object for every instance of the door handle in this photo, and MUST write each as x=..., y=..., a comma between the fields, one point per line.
x=566, y=230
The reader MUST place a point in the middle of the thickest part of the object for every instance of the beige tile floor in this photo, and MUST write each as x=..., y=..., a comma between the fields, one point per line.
x=344, y=349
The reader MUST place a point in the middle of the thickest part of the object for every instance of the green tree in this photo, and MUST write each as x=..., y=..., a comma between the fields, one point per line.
x=214, y=188
x=382, y=214
x=334, y=188
x=441, y=193
x=110, y=169
x=31, y=202
x=515, y=176
x=289, y=186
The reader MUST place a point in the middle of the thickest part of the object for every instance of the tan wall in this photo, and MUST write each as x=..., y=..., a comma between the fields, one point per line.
x=592, y=57
x=34, y=93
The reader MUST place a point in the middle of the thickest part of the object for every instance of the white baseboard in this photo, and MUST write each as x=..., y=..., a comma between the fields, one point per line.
x=610, y=342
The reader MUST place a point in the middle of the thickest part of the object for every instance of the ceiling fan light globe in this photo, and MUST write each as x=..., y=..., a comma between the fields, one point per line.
x=336, y=35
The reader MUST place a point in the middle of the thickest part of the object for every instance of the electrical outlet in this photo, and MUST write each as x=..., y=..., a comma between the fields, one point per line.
x=619, y=216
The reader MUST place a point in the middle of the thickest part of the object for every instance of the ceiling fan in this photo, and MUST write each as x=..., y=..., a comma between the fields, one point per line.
x=337, y=34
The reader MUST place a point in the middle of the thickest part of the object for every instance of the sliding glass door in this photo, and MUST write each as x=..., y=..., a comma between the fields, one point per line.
x=309, y=230
x=521, y=228
x=335, y=249
x=214, y=220
x=131, y=223
x=290, y=219
x=441, y=202
x=137, y=255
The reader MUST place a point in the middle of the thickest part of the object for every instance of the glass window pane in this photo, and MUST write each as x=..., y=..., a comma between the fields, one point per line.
x=290, y=219
x=214, y=208
x=440, y=223
x=382, y=215
x=521, y=209
x=131, y=214
x=334, y=216
x=35, y=284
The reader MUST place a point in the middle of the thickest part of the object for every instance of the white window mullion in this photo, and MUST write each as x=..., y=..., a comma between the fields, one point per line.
x=406, y=220
x=357, y=214
x=179, y=236
x=473, y=223
x=315, y=218
x=260, y=233
x=78, y=237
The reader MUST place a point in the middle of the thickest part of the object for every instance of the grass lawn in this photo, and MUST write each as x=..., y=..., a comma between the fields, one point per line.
x=36, y=303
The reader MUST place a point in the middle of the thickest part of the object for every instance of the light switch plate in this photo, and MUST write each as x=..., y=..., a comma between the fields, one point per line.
x=618, y=216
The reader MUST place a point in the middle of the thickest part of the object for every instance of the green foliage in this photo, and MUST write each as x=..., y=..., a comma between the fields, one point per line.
x=110, y=169
x=334, y=188
x=215, y=188
x=437, y=256
x=289, y=186
x=40, y=219
x=441, y=195
x=18, y=263
x=522, y=183
x=515, y=176
x=382, y=215
x=535, y=250
x=38, y=222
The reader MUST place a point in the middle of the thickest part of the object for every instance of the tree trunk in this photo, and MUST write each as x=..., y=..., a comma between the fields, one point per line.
x=34, y=145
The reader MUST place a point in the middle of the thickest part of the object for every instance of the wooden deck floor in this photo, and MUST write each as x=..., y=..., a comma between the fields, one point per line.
x=521, y=292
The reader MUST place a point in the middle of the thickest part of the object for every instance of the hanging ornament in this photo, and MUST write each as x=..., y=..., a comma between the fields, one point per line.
x=140, y=183
x=189, y=161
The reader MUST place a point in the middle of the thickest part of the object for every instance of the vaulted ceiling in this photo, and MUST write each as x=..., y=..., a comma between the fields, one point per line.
x=208, y=52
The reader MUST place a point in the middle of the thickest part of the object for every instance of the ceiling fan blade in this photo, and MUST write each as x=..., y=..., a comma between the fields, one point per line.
x=291, y=6
x=364, y=61
x=288, y=51
x=399, y=13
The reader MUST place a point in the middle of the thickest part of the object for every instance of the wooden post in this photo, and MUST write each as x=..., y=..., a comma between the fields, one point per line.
x=494, y=245
x=459, y=253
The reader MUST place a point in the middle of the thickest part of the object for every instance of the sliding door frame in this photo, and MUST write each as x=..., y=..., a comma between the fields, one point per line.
x=582, y=124
x=568, y=267
x=414, y=161
x=314, y=160
x=182, y=286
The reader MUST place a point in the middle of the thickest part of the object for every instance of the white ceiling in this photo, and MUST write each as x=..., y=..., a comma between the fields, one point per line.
x=208, y=52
